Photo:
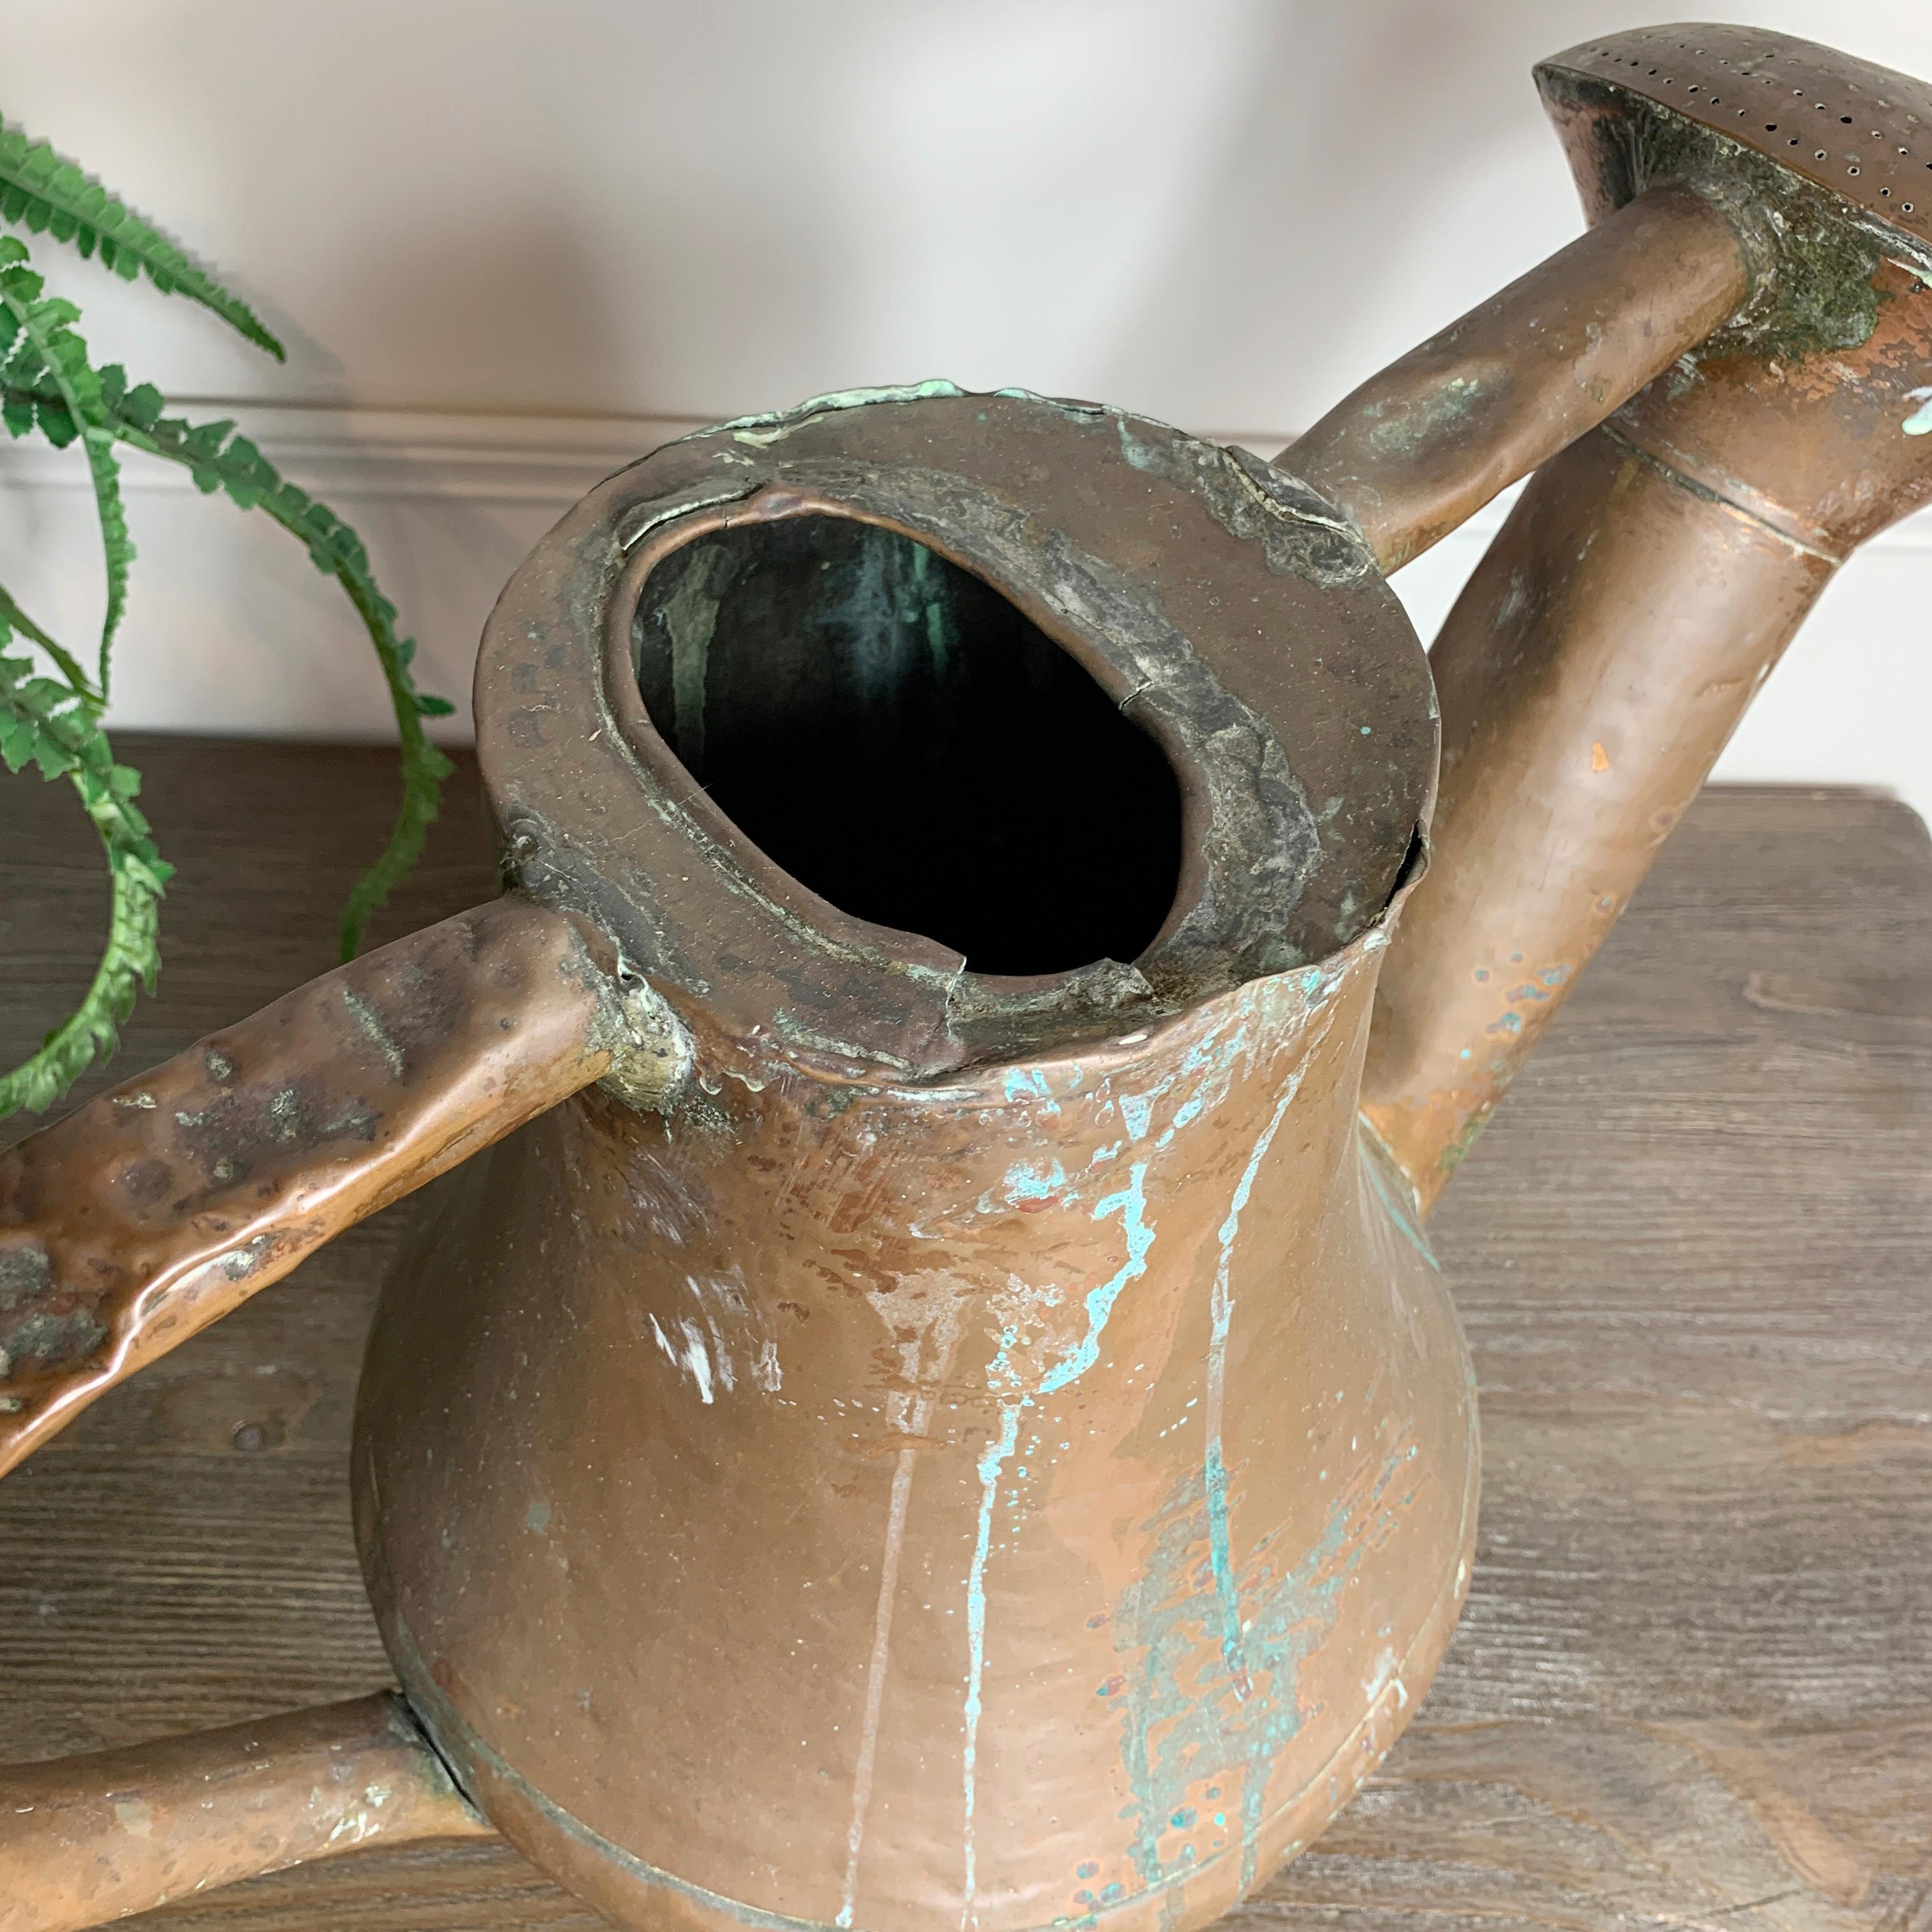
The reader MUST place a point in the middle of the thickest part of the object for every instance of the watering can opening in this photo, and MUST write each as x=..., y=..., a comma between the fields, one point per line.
x=902, y=739
x=917, y=728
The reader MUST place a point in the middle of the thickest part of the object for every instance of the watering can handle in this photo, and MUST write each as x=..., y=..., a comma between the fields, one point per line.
x=86, y=1839
x=148, y=1213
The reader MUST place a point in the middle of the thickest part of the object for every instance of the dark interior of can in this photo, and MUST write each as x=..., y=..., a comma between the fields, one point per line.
x=896, y=735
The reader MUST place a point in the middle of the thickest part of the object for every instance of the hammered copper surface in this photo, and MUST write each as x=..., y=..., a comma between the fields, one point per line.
x=90, y=1839
x=1029, y=1376
x=1083, y=1445
x=152, y=1211
x=1658, y=1248
x=1231, y=614
x=919, y=1445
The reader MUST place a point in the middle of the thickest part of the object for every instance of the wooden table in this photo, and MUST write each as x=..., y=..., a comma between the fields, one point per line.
x=1694, y=1685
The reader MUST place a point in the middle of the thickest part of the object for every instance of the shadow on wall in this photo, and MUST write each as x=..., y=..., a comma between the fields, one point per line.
x=1338, y=227
x=1299, y=238
x=529, y=282
x=1226, y=215
x=443, y=554
x=528, y=276
x=229, y=627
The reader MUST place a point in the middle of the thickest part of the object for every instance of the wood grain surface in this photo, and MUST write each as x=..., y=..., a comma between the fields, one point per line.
x=1693, y=1687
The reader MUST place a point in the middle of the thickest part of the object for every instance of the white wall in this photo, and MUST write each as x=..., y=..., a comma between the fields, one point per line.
x=511, y=245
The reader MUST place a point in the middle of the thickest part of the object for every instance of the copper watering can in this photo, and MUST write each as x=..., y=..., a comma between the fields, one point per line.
x=928, y=1402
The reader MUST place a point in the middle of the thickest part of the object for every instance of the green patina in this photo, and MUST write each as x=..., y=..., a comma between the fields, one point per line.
x=1299, y=531
x=26, y=1272
x=771, y=426
x=1453, y=1156
x=1415, y=425
x=44, y=1339
x=1814, y=254
x=1189, y=1721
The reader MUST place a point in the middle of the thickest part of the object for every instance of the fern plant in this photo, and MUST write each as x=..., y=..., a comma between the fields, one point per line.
x=51, y=708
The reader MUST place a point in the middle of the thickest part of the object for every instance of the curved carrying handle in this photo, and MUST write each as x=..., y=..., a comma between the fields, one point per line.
x=146, y=1214
x=85, y=1840
x=154, y=1210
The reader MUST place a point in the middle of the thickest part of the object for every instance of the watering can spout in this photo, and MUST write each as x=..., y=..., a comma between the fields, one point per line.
x=1718, y=387
x=856, y=1293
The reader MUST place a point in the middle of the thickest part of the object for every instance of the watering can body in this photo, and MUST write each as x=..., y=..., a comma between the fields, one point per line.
x=1013, y=1507
x=922, y=1397
x=997, y=1453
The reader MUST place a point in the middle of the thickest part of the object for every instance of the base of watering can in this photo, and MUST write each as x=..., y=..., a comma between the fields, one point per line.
x=632, y=1891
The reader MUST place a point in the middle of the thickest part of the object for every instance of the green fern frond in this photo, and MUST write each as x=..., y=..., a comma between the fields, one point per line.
x=13, y=618
x=220, y=460
x=48, y=195
x=45, y=724
x=44, y=354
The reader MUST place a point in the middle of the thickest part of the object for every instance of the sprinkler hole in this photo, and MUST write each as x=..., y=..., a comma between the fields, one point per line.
x=892, y=732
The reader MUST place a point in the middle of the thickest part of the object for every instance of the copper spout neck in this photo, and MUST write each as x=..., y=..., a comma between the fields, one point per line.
x=1655, y=569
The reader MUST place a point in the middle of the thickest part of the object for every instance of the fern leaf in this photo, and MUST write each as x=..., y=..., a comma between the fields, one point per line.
x=44, y=724
x=48, y=195
x=219, y=460
x=46, y=351
x=15, y=619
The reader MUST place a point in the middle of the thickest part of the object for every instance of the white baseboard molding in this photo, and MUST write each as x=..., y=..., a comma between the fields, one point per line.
x=335, y=450
x=229, y=630
x=339, y=450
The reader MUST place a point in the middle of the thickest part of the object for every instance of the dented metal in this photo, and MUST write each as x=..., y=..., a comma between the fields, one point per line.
x=157, y=1209
x=879, y=1438
x=1116, y=1475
